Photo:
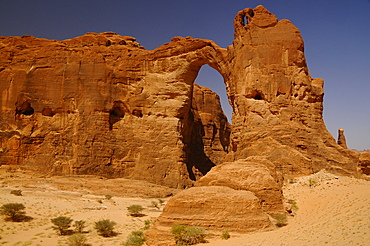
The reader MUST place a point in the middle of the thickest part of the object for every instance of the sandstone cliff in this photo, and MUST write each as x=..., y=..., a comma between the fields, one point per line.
x=102, y=104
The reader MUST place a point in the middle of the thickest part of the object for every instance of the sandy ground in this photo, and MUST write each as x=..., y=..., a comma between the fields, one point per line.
x=333, y=211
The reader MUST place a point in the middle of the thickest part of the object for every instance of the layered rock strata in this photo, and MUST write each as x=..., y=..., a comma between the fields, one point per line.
x=254, y=174
x=341, y=138
x=212, y=208
x=102, y=104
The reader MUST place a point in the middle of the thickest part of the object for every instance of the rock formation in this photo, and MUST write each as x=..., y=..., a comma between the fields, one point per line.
x=213, y=208
x=254, y=174
x=341, y=138
x=102, y=104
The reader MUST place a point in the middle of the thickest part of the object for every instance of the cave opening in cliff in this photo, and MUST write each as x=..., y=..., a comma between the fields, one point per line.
x=116, y=113
x=25, y=109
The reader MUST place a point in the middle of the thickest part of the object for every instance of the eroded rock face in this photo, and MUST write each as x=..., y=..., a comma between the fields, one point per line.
x=277, y=104
x=254, y=174
x=102, y=104
x=341, y=138
x=212, y=208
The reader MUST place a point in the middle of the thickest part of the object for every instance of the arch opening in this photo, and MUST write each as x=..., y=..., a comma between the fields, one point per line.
x=208, y=131
x=211, y=78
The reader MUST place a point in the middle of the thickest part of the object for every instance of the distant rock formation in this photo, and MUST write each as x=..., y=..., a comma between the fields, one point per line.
x=102, y=104
x=341, y=138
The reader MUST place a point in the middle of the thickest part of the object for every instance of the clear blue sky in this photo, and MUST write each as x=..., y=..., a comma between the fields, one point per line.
x=336, y=34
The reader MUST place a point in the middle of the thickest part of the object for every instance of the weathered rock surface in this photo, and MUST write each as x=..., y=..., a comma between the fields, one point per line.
x=212, y=208
x=277, y=104
x=254, y=174
x=341, y=138
x=102, y=104
x=365, y=163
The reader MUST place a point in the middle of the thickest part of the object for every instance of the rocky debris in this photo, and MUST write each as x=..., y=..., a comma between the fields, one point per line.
x=102, y=104
x=214, y=208
x=254, y=174
x=341, y=138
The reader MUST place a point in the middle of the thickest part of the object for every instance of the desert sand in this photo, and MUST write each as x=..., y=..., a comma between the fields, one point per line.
x=334, y=210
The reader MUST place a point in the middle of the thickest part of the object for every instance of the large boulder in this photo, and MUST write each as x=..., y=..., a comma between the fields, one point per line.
x=254, y=174
x=214, y=208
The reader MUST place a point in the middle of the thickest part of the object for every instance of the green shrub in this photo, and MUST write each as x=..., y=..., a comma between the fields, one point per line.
x=281, y=220
x=16, y=192
x=13, y=212
x=135, y=210
x=108, y=197
x=312, y=182
x=105, y=227
x=147, y=225
x=136, y=238
x=225, y=235
x=292, y=181
x=294, y=204
x=62, y=224
x=188, y=235
x=100, y=201
x=155, y=204
x=77, y=240
x=161, y=202
x=79, y=226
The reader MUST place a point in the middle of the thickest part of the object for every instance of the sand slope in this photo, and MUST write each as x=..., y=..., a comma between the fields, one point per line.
x=334, y=212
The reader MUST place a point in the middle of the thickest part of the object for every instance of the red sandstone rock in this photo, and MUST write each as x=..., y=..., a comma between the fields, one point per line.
x=254, y=174
x=102, y=104
x=341, y=138
x=214, y=208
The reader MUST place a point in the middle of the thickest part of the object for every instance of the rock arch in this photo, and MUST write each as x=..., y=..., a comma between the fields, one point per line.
x=277, y=105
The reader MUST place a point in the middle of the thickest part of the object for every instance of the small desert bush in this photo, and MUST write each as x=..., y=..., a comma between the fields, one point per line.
x=105, y=227
x=77, y=240
x=16, y=192
x=294, y=205
x=225, y=235
x=135, y=210
x=14, y=212
x=292, y=181
x=312, y=182
x=136, y=238
x=188, y=235
x=79, y=226
x=62, y=224
x=108, y=197
x=281, y=220
x=161, y=202
x=147, y=225
x=155, y=204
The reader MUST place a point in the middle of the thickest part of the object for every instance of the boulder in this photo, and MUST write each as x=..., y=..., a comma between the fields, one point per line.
x=214, y=208
x=254, y=174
